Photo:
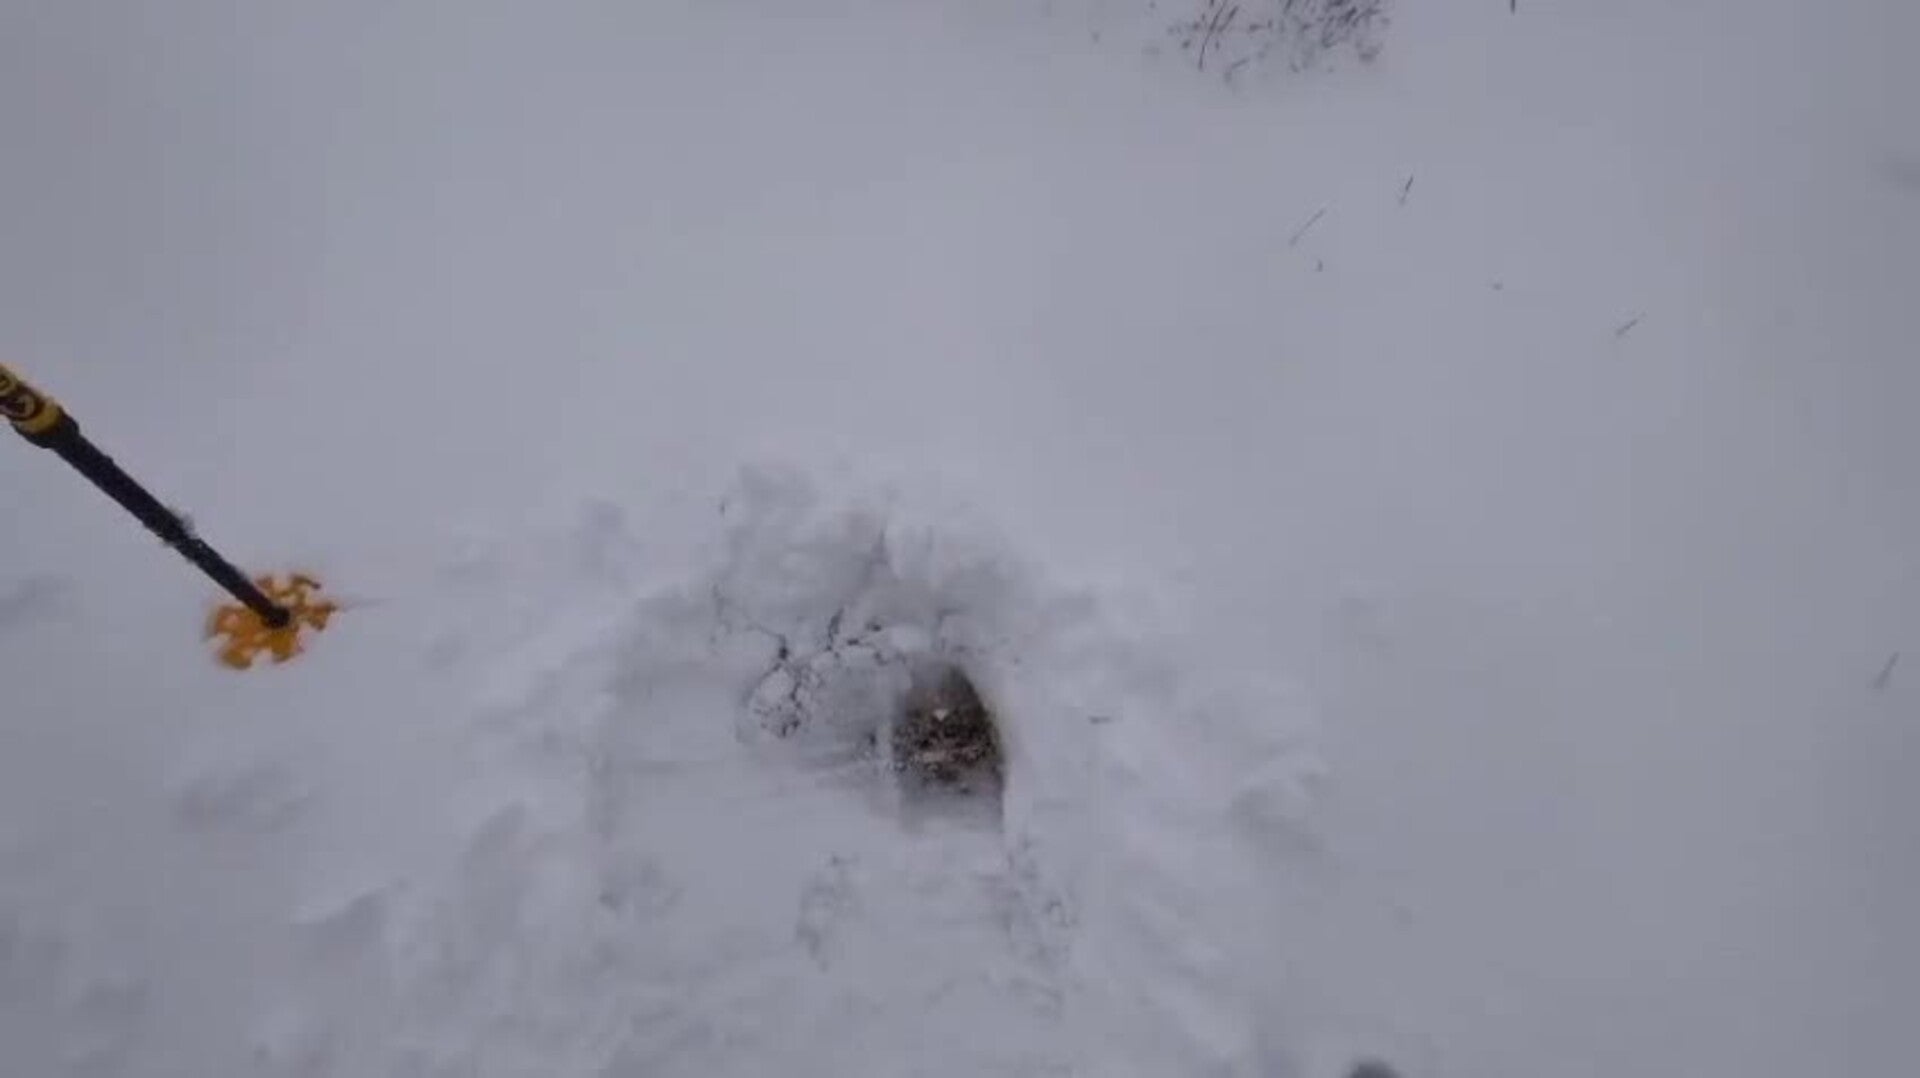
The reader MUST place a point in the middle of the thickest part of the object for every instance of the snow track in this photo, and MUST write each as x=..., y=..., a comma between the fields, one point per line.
x=634, y=868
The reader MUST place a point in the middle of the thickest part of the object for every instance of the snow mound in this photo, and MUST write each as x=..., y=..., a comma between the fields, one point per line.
x=724, y=872
x=594, y=803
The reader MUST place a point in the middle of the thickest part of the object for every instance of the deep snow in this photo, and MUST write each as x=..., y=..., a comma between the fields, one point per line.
x=1442, y=621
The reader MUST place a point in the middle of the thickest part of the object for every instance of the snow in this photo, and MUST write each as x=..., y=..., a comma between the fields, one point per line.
x=1432, y=531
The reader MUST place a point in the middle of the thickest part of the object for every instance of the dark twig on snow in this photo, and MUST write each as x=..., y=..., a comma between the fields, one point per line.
x=1626, y=327
x=1223, y=16
x=1406, y=189
x=1311, y=221
x=1885, y=678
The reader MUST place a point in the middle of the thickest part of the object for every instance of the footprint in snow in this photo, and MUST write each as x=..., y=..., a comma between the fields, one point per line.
x=258, y=797
x=34, y=599
x=826, y=902
x=107, y=1014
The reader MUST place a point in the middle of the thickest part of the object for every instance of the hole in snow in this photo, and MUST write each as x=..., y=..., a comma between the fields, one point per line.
x=917, y=720
x=944, y=739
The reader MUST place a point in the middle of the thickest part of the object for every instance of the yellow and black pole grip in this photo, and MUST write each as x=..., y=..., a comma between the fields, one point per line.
x=42, y=421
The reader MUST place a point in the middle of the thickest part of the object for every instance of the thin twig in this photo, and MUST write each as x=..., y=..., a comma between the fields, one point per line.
x=1215, y=27
x=1886, y=673
x=1626, y=327
x=1406, y=189
x=1311, y=221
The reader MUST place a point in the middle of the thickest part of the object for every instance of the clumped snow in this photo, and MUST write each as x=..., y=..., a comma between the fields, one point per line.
x=1434, y=533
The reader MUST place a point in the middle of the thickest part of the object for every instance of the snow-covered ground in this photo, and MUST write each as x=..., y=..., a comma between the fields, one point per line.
x=1438, y=533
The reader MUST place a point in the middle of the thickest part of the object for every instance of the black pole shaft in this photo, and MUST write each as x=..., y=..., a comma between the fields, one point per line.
x=73, y=447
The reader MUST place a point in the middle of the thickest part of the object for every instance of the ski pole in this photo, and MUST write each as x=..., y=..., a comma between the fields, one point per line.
x=41, y=420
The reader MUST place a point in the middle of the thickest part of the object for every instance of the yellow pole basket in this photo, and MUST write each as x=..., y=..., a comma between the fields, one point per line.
x=245, y=635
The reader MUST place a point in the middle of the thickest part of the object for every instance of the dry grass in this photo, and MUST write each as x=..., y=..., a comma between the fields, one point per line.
x=1227, y=35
